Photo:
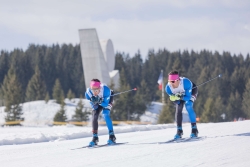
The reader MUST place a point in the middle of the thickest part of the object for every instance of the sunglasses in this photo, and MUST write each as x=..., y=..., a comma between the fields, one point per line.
x=95, y=90
x=172, y=81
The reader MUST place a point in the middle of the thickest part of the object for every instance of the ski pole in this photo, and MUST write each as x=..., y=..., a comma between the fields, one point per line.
x=207, y=81
x=123, y=92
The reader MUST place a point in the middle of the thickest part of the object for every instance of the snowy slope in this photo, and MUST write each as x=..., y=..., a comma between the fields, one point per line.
x=39, y=113
x=226, y=144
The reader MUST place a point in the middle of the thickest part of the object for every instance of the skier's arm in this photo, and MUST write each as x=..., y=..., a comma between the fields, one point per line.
x=188, y=89
x=106, y=97
x=87, y=97
x=86, y=94
x=168, y=90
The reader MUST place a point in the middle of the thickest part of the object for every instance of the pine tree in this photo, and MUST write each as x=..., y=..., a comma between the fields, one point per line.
x=234, y=106
x=12, y=94
x=58, y=92
x=123, y=105
x=112, y=85
x=70, y=95
x=145, y=91
x=140, y=101
x=208, y=114
x=246, y=100
x=61, y=114
x=219, y=109
x=177, y=65
x=4, y=64
x=166, y=115
x=36, y=88
x=81, y=115
x=139, y=105
x=122, y=108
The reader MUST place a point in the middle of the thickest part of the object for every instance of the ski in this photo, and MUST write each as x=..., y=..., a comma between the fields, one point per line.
x=183, y=140
x=97, y=146
x=193, y=139
x=172, y=141
x=105, y=145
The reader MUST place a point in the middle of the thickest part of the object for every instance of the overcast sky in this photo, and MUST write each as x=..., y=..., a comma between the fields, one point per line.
x=132, y=25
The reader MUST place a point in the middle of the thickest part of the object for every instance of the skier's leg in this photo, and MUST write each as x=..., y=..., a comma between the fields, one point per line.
x=192, y=117
x=107, y=118
x=112, y=137
x=95, y=115
x=106, y=115
x=179, y=108
x=190, y=110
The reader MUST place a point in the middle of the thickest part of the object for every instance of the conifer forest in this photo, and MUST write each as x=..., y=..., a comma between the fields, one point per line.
x=44, y=72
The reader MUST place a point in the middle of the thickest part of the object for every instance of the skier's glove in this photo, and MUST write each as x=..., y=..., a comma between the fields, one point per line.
x=94, y=99
x=193, y=98
x=108, y=107
x=174, y=98
x=100, y=100
x=180, y=95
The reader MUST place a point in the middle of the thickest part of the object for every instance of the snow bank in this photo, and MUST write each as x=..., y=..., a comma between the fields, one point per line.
x=28, y=135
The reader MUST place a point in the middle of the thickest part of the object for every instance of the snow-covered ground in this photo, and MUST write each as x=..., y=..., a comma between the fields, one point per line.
x=226, y=144
x=39, y=113
x=37, y=144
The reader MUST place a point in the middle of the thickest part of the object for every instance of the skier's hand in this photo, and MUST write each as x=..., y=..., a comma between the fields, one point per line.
x=108, y=107
x=100, y=100
x=180, y=95
x=193, y=98
x=94, y=99
x=95, y=106
x=174, y=98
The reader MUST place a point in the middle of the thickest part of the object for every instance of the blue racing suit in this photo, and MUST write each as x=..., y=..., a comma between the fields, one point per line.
x=189, y=92
x=104, y=106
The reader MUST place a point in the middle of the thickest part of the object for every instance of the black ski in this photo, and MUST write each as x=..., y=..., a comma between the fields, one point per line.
x=102, y=145
x=193, y=139
x=183, y=140
x=172, y=141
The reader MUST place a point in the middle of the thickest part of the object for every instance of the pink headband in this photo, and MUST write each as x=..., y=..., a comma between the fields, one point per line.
x=173, y=77
x=95, y=84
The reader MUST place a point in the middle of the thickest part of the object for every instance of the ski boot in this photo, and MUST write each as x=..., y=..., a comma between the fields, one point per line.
x=94, y=141
x=179, y=133
x=194, y=132
x=112, y=138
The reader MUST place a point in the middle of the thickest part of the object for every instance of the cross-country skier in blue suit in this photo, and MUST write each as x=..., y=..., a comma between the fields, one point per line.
x=182, y=91
x=100, y=99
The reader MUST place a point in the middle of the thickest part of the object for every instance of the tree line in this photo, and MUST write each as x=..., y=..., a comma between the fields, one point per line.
x=44, y=72
x=228, y=95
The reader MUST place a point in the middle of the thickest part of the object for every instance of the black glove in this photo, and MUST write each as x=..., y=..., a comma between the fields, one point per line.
x=94, y=100
x=100, y=100
x=180, y=95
